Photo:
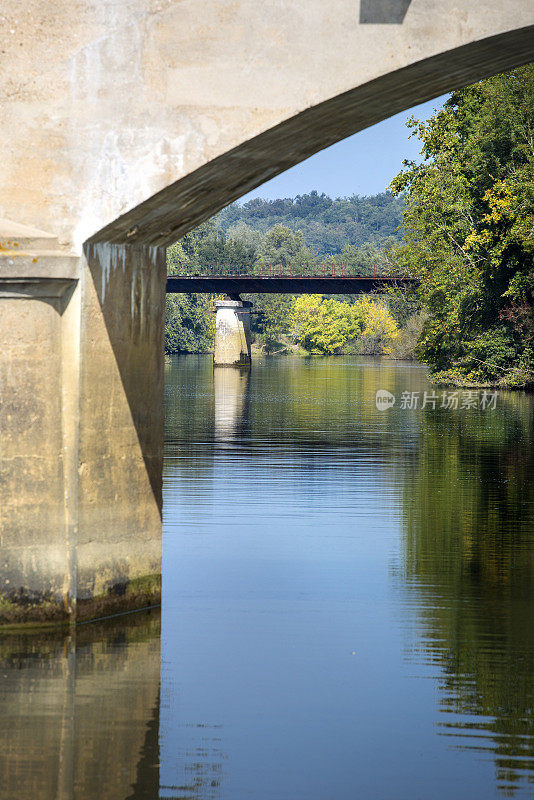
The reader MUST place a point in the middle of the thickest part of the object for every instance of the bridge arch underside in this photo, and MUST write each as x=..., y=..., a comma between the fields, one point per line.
x=186, y=203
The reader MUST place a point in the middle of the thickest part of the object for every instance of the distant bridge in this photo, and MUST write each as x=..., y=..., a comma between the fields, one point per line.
x=321, y=280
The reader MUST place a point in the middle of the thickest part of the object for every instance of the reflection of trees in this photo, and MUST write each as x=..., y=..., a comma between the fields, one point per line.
x=469, y=521
x=317, y=401
x=468, y=483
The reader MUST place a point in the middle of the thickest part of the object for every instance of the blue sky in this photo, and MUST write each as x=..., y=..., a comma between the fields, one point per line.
x=362, y=164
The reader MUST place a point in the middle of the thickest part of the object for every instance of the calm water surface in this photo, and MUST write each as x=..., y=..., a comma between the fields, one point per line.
x=348, y=606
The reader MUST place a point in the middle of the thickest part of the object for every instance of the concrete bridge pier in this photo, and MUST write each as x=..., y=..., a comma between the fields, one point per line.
x=81, y=427
x=232, y=333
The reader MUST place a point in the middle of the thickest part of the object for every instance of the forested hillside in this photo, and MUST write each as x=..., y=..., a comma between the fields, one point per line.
x=328, y=226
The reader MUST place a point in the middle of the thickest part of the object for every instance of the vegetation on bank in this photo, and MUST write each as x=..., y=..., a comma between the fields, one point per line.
x=325, y=326
x=466, y=216
x=469, y=223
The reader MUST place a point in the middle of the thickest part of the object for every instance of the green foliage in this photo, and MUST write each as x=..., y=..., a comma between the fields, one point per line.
x=208, y=247
x=271, y=320
x=379, y=329
x=327, y=226
x=470, y=231
x=322, y=325
x=239, y=244
x=189, y=326
x=284, y=250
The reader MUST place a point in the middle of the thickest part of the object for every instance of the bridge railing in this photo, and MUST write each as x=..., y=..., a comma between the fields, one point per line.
x=315, y=270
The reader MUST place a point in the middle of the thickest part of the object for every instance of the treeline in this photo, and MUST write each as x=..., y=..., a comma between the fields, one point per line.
x=469, y=237
x=284, y=324
x=327, y=226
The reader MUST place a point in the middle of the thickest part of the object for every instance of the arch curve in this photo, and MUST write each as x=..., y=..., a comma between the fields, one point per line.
x=184, y=204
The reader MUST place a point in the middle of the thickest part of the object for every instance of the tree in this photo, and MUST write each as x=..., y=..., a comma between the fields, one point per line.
x=271, y=319
x=322, y=325
x=469, y=224
x=379, y=329
x=189, y=327
x=284, y=251
x=327, y=225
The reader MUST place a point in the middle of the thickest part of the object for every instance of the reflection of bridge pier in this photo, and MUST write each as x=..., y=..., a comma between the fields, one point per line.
x=231, y=390
x=232, y=333
x=80, y=712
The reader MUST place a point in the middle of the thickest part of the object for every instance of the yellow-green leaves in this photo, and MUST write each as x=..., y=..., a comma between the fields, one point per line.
x=323, y=325
x=469, y=225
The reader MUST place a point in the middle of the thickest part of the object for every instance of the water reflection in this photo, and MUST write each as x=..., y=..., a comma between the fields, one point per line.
x=231, y=389
x=469, y=556
x=349, y=547
x=348, y=606
x=80, y=712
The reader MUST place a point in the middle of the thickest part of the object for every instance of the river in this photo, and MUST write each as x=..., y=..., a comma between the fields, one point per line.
x=348, y=604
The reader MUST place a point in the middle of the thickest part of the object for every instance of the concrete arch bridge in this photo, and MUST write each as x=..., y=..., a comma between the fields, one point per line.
x=124, y=124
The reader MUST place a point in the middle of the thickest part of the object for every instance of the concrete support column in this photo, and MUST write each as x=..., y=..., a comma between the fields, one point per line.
x=81, y=427
x=39, y=369
x=121, y=428
x=232, y=333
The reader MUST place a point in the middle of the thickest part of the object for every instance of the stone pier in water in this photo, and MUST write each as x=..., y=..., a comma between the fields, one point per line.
x=232, y=333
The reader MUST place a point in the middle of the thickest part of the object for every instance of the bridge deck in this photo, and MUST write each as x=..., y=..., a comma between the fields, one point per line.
x=287, y=284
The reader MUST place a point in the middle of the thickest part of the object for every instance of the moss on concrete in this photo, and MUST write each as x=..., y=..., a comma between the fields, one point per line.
x=127, y=596
x=41, y=611
x=17, y=608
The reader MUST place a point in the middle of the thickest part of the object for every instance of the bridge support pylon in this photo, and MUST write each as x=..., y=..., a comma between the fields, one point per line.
x=81, y=427
x=232, y=333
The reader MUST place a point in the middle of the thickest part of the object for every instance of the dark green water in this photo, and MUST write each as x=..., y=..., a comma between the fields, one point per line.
x=348, y=606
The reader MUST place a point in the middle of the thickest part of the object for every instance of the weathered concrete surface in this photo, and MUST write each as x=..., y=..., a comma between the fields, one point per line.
x=137, y=94
x=232, y=334
x=39, y=313
x=121, y=428
x=81, y=427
